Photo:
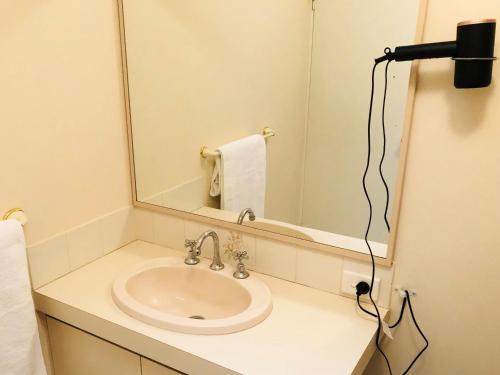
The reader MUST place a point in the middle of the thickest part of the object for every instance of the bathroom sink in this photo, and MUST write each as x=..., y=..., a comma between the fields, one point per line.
x=166, y=293
x=276, y=228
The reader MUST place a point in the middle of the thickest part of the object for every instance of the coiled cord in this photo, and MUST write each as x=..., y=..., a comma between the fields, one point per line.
x=383, y=150
x=367, y=195
x=407, y=299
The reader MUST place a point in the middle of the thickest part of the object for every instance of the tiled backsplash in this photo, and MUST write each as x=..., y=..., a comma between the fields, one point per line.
x=68, y=251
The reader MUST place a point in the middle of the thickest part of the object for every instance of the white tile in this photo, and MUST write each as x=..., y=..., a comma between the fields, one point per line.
x=85, y=244
x=319, y=270
x=384, y=273
x=48, y=260
x=117, y=229
x=144, y=224
x=168, y=231
x=248, y=245
x=251, y=248
x=276, y=259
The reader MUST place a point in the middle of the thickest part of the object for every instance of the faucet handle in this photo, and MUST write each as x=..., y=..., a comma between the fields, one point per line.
x=239, y=255
x=241, y=272
x=190, y=243
x=193, y=252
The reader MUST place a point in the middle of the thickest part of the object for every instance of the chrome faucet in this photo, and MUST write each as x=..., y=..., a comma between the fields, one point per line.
x=195, y=250
x=251, y=215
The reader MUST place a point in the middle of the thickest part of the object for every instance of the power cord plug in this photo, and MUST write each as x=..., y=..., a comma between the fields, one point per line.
x=362, y=288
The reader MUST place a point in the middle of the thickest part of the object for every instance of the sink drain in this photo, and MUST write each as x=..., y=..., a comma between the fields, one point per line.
x=199, y=317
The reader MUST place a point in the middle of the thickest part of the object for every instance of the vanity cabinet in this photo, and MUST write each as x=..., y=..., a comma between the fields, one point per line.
x=75, y=352
x=153, y=368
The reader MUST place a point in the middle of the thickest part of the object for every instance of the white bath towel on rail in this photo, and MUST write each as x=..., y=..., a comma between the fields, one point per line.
x=242, y=174
x=20, y=352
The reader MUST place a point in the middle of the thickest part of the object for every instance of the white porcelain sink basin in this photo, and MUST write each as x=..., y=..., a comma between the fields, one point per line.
x=166, y=293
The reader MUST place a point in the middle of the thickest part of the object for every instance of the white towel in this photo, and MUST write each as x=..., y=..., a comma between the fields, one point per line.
x=20, y=350
x=240, y=176
x=215, y=182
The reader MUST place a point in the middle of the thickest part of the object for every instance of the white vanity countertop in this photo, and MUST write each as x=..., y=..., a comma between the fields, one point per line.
x=308, y=331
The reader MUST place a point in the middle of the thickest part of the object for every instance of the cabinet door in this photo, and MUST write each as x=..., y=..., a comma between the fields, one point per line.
x=152, y=368
x=75, y=352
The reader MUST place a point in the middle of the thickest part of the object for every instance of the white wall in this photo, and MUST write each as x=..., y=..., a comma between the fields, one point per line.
x=348, y=35
x=448, y=247
x=63, y=154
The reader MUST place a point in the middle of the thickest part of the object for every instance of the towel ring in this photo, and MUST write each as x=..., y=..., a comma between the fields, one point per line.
x=17, y=214
x=206, y=152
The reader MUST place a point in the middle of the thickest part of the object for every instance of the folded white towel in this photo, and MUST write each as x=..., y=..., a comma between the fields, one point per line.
x=20, y=350
x=215, y=182
x=241, y=175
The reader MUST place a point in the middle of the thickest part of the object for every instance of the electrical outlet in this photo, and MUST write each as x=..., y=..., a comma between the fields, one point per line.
x=402, y=291
x=350, y=279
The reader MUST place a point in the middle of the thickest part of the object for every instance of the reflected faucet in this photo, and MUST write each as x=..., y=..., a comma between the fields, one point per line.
x=251, y=215
x=195, y=250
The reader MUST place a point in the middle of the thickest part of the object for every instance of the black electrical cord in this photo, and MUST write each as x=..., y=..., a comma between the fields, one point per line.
x=407, y=294
x=406, y=299
x=383, y=149
x=419, y=331
x=367, y=195
x=401, y=313
x=363, y=309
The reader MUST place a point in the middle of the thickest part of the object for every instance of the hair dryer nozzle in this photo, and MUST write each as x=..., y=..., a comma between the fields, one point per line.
x=475, y=53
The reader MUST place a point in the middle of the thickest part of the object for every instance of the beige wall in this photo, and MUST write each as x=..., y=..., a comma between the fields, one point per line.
x=207, y=73
x=348, y=35
x=63, y=155
x=449, y=239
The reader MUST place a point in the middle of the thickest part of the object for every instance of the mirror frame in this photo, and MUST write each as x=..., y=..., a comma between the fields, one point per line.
x=387, y=261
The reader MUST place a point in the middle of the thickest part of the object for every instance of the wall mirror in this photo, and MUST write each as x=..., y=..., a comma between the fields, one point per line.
x=207, y=73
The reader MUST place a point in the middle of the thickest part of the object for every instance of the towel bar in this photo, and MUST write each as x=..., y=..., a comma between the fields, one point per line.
x=205, y=152
x=17, y=214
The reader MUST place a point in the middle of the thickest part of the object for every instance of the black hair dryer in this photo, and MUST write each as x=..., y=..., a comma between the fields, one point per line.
x=473, y=53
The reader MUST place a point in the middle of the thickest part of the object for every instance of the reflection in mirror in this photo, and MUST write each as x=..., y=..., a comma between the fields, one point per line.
x=225, y=76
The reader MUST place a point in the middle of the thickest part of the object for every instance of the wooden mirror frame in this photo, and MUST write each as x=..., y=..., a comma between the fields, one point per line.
x=387, y=261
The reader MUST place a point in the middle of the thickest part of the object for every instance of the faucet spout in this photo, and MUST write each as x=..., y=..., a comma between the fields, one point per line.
x=217, y=264
x=251, y=215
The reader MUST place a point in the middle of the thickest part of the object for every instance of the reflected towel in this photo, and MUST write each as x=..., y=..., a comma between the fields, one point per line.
x=20, y=350
x=215, y=181
x=241, y=175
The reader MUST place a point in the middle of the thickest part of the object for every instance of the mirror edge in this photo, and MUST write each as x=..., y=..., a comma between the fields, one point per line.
x=410, y=102
x=405, y=139
x=126, y=97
